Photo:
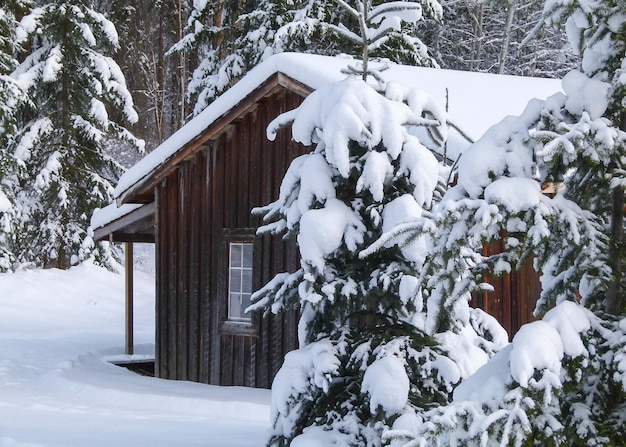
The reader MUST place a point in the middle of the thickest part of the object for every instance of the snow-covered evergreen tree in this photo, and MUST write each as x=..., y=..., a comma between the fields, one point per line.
x=233, y=37
x=365, y=360
x=11, y=97
x=77, y=98
x=562, y=381
x=229, y=38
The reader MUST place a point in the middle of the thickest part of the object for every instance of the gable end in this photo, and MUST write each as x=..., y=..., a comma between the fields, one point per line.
x=143, y=190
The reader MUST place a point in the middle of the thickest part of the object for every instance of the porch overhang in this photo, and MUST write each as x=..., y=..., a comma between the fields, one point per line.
x=127, y=223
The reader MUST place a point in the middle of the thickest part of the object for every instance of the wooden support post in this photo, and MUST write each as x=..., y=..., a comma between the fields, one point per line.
x=128, y=258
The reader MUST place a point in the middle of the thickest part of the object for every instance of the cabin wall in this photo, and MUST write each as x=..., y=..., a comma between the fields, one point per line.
x=202, y=206
x=513, y=299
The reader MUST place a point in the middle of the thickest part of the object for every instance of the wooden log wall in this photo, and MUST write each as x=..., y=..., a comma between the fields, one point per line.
x=205, y=204
x=512, y=302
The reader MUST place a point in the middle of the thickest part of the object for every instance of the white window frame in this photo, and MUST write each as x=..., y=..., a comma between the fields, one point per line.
x=240, y=280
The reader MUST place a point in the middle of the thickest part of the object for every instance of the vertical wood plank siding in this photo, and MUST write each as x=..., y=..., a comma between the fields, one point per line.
x=212, y=192
x=513, y=299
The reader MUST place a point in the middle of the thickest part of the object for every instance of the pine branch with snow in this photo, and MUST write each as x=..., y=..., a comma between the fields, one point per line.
x=564, y=141
x=360, y=382
x=557, y=384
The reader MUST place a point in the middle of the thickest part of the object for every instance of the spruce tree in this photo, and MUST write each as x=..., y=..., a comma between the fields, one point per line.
x=562, y=382
x=74, y=89
x=366, y=361
x=11, y=97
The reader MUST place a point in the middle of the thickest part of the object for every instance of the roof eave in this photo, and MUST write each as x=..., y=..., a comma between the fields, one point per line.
x=135, y=226
x=142, y=191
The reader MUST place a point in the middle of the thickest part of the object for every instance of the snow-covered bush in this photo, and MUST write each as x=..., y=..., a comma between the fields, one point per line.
x=365, y=359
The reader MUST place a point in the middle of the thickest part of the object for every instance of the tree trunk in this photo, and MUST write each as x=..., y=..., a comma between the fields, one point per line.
x=159, y=77
x=182, y=67
x=506, y=39
x=478, y=37
x=60, y=262
x=614, y=296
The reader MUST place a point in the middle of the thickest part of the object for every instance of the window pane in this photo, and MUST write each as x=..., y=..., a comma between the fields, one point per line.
x=235, y=255
x=246, y=281
x=247, y=255
x=235, y=281
x=235, y=306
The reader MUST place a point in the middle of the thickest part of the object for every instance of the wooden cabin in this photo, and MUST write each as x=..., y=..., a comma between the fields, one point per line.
x=193, y=196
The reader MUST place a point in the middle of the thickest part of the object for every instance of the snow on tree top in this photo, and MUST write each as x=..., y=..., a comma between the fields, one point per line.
x=475, y=101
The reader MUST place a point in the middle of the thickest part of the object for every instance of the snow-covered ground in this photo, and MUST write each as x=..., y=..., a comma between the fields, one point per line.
x=58, y=329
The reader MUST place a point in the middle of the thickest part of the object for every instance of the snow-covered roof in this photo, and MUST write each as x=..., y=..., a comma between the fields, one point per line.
x=475, y=100
x=133, y=221
x=110, y=213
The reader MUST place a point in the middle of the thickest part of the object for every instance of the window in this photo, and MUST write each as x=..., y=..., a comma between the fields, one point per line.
x=239, y=280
